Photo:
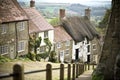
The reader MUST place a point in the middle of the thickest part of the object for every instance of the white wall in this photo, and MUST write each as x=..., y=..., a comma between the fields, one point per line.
x=82, y=46
x=50, y=36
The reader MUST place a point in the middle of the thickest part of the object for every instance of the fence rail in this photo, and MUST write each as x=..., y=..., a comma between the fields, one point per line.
x=74, y=69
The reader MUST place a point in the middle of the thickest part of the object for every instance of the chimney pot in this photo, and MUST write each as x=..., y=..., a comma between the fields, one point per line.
x=87, y=13
x=32, y=3
x=62, y=13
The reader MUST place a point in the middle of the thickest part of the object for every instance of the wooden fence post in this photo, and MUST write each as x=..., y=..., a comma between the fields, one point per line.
x=48, y=72
x=18, y=71
x=93, y=67
x=76, y=70
x=80, y=69
x=69, y=72
x=61, y=71
x=88, y=66
x=85, y=66
x=73, y=72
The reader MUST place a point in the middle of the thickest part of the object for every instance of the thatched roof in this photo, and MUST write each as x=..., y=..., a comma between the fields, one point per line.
x=11, y=11
x=79, y=28
x=61, y=35
x=37, y=22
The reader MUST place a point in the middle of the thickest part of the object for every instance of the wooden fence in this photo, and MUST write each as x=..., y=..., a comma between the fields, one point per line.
x=74, y=69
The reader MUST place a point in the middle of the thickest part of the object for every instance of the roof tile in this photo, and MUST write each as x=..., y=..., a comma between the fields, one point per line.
x=10, y=11
x=37, y=21
x=61, y=35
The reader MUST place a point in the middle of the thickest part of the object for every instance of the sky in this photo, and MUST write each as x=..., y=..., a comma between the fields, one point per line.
x=70, y=1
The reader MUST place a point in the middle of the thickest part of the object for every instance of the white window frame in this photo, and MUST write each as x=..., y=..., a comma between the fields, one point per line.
x=21, y=46
x=58, y=45
x=42, y=49
x=21, y=26
x=94, y=46
x=67, y=51
x=4, y=49
x=4, y=28
x=46, y=34
x=62, y=53
x=67, y=43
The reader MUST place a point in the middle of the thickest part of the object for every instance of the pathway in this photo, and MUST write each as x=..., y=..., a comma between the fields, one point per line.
x=85, y=76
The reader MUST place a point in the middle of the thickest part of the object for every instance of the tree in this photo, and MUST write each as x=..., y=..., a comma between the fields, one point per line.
x=34, y=43
x=48, y=45
x=105, y=19
x=55, y=22
x=103, y=24
x=109, y=59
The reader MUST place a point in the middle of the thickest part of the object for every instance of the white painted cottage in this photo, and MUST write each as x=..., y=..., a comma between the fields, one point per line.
x=82, y=32
x=38, y=26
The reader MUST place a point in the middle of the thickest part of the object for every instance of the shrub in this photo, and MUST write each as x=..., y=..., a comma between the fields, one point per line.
x=52, y=57
x=4, y=59
x=98, y=77
x=31, y=56
x=43, y=55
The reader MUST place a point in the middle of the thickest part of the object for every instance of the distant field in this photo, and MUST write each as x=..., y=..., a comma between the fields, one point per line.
x=31, y=66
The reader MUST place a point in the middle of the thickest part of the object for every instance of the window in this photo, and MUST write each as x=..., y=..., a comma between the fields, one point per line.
x=42, y=49
x=88, y=48
x=94, y=46
x=21, y=46
x=87, y=41
x=61, y=54
x=4, y=28
x=67, y=43
x=3, y=49
x=46, y=34
x=58, y=45
x=67, y=51
x=21, y=26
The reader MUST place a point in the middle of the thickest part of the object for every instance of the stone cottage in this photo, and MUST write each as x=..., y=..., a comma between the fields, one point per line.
x=14, y=33
x=63, y=44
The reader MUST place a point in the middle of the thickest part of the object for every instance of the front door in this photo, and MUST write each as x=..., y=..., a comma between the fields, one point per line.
x=61, y=56
x=88, y=58
x=77, y=54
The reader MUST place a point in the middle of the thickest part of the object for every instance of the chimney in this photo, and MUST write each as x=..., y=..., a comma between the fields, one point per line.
x=32, y=3
x=61, y=13
x=87, y=13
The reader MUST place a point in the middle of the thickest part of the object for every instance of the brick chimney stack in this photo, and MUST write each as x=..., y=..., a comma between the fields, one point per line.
x=32, y=3
x=87, y=13
x=61, y=13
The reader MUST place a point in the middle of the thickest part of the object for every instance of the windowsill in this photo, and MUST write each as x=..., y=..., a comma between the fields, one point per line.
x=22, y=30
x=67, y=45
x=58, y=47
x=21, y=51
x=4, y=54
x=3, y=33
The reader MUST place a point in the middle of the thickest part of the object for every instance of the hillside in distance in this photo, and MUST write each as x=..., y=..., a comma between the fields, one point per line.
x=50, y=10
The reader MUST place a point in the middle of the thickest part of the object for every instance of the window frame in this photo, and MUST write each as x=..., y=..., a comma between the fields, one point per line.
x=42, y=49
x=3, y=28
x=94, y=46
x=3, y=49
x=21, y=46
x=58, y=45
x=67, y=51
x=67, y=43
x=46, y=34
x=21, y=26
